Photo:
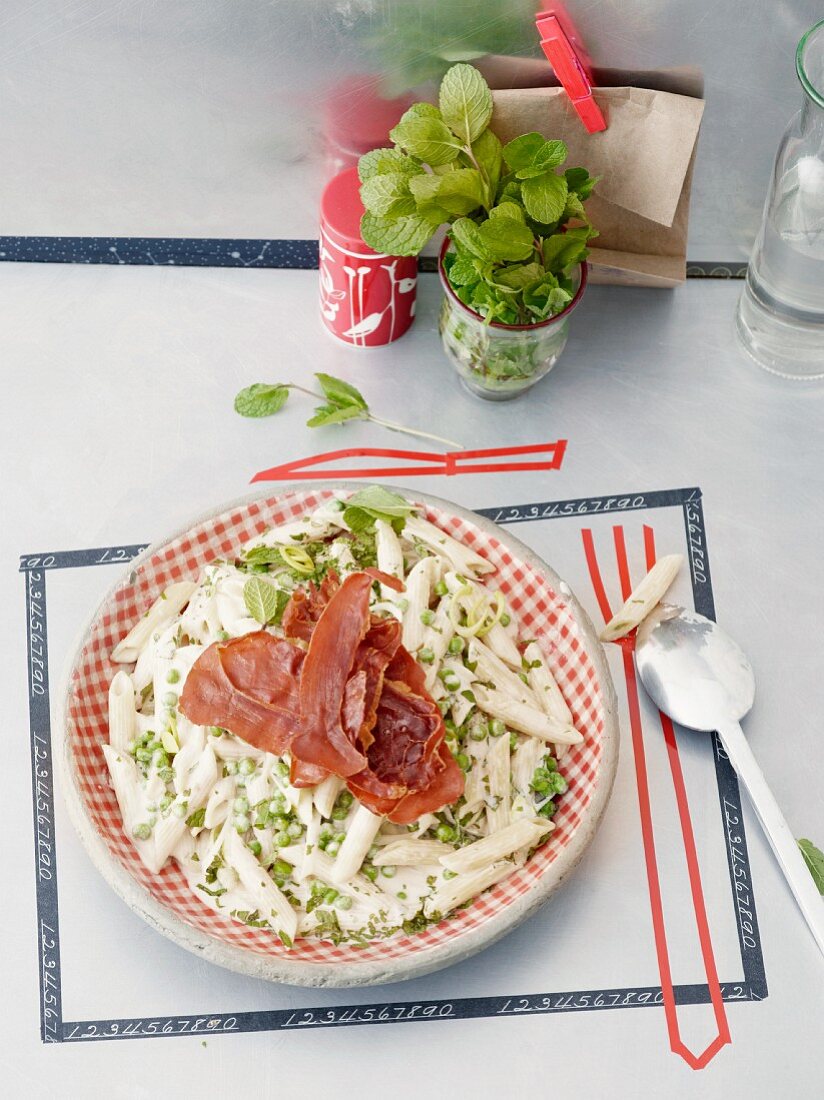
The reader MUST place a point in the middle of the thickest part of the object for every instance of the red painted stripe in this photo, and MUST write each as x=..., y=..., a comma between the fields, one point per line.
x=645, y=811
x=694, y=871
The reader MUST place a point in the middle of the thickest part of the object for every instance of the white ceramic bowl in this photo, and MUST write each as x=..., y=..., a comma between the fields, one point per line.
x=546, y=610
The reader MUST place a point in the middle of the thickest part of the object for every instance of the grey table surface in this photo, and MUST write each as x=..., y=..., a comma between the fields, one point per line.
x=117, y=424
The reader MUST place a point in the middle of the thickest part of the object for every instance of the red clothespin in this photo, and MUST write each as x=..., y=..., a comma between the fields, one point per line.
x=566, y=54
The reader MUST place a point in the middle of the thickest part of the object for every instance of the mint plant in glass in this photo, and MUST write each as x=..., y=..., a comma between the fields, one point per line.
x=513, y=262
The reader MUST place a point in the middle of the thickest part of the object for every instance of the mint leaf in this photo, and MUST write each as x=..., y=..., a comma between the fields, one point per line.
x=458, y=192
x=403, y=236
x=522, y=151
x=465, y=102
x=261, y=399
x=358, y=521
x=341, y=393
x=388, y=194
x=332, y=414
x=814, y=858
x=380, y=162
x=467, y=235
x=380, y=502
x=488, y=154
x=519, y=275
x=580, y=181
x=195, y=820
x=544, y=197
x=421, y=110
x=508, y=210
x=506, y=239
x=261, y=600
x=561, y=250
x=550, y=155
x=429, y=139
x=462, y=269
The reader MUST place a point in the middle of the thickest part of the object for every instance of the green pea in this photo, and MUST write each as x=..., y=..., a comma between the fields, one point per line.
x=340, y=813
x=426, y=655
x=343, y=902
x=427, y=617
x=389, y=871
x=172, y=676
x=282, y=840
x=346, y=798
x=330, y=895
x=457, y=645
x=463, y=761
x=282, y=768
x=295, y=830
x=254, y=847
x=246, y=766
x=333, y=847
x=230, y=767
x=170, y=699
x=242, y=823
x=142, y=831
x=281, y=867
x=445, y=832
x=242, y=804
x=370, y=871
x=505, y=619
x=497, y=728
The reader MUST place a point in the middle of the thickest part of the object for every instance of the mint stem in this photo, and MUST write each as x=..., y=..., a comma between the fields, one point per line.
x=390, y=424
x=414, y=431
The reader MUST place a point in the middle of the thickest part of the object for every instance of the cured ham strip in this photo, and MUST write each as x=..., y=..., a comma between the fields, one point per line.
x=341, y=628
x=305, y=607
x=211, y=698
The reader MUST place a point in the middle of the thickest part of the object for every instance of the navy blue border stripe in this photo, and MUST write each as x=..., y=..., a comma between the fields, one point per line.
x=295, y=254
x=54, y=1029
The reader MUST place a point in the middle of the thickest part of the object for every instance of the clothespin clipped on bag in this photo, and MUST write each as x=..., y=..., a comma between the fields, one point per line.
x=566, y=54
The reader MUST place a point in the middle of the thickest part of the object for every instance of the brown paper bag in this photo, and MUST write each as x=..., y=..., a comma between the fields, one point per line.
x=644, y=158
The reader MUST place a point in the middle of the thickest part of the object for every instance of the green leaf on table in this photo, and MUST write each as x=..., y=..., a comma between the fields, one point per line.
x=335, y=414
x=467, y=235
x=429, y=139
x=562, y=250
x=465, y=102
x=580, y=181
x=398, y=236
x=814, y=858
x=506, y=239
x=544, y=197
x=521, y=152
x=261, y=600
x=389, y=194
x=458, y=192
x=340, y=393
x=488, y=153
x=382, y=162
x=261, y=399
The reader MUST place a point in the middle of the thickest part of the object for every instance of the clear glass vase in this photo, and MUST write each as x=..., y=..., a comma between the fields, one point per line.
x=495, y=361
x=780, y=317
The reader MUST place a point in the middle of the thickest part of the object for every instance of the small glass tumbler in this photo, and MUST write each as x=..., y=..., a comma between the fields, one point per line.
x=780, y=316
x=499, y=362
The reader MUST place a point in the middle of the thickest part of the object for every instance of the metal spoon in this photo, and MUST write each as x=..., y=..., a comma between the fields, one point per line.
x=695, y=673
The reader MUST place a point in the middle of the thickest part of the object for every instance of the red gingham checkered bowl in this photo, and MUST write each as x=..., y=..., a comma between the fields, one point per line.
x=546, y=610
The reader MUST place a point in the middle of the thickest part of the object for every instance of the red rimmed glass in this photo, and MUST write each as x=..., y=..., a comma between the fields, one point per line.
x=495, y=361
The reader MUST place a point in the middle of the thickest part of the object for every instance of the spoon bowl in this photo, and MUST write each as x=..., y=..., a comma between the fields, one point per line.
x=701, y=678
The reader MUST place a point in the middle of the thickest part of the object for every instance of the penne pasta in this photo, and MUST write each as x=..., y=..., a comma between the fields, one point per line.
x=451, y=893
x=166, y=608
x=418, y=593
x=359, y=836
x=325, y=794
x=527, y=719
x=410, y=853
x=483, y=853
x=390, y=555
x=129, y=793
x=462, y=558
x=122, y=712
x=268, y=899
x=643, y=598
x=498, y=775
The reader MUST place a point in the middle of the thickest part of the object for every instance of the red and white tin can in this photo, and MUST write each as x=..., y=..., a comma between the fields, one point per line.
x=366, y=298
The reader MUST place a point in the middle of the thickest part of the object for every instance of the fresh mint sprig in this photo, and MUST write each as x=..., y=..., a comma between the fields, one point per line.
x=341, y=401
x=510, y=208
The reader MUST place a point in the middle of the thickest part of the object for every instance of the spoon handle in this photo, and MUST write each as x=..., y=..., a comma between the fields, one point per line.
x=778, y=832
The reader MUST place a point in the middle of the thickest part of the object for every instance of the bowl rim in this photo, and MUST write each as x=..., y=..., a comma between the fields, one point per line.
x=355, y=973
